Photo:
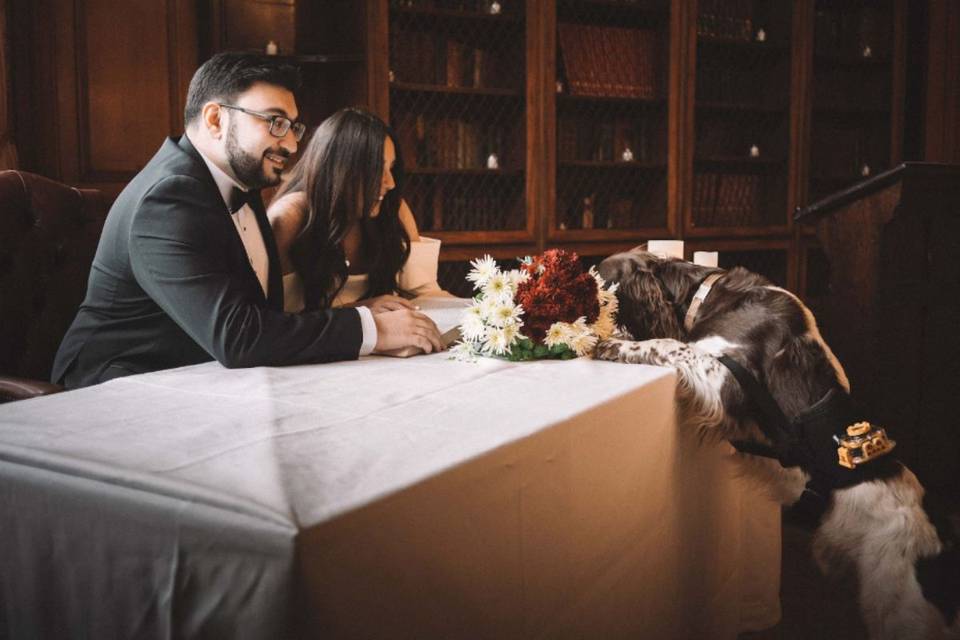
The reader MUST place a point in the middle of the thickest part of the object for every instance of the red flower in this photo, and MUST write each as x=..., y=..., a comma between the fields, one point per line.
x=559, y=290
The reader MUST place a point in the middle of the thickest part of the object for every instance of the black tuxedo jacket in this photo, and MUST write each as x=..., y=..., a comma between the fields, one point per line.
x=171, y=285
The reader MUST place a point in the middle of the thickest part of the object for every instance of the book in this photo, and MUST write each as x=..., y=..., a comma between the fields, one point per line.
x=445, y=313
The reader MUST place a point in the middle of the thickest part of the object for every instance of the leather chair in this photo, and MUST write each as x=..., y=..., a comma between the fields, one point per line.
x=48, y=236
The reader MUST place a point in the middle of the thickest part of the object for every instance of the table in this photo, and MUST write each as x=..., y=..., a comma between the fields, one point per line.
x=378, y=498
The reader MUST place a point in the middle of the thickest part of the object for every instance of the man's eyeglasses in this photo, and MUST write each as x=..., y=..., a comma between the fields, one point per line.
x=279, y=125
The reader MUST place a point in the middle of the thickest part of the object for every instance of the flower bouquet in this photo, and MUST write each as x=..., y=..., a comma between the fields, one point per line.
x=548, y=308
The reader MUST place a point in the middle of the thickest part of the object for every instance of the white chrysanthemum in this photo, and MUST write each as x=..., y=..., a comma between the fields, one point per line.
x=558, y=333
x=583, y=342
x=496, y=342
x=464, y=352
x=499, y=287
x=511, y=332
x=483, y=269
x=517, y=277
x=506, y=313
x=579, y=325
x=488, y=305
x=472, y=327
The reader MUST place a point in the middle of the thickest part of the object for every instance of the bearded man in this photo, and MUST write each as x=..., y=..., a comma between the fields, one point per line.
x=187, y=271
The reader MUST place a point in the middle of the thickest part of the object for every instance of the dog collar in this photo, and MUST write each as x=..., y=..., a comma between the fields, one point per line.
x=698, y=299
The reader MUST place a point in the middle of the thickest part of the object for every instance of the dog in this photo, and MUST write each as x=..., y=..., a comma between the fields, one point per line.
x=753, y=368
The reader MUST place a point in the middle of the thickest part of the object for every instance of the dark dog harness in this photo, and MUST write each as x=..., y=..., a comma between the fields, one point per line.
x=825, y=440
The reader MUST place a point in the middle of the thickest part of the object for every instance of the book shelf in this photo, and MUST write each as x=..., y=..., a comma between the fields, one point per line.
x=596, y=125
x=457, y=103
x=853, y=76
x=612, y=117
x=856, y=111
x=741, y=120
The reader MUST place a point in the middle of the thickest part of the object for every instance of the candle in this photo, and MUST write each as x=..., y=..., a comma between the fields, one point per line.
x=706, y=258
x=666, y=248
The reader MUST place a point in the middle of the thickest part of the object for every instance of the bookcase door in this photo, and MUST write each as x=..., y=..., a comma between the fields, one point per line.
x=457, y=101
x=853, y=121
x=741, y=145
x=612, y=120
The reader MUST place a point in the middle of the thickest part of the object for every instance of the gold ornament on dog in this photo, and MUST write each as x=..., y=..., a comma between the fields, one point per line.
x=862, y=443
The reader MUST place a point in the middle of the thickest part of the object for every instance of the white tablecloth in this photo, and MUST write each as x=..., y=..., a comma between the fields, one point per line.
x=380, y=498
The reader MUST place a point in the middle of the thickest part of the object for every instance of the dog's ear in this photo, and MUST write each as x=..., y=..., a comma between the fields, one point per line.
x=645, y=310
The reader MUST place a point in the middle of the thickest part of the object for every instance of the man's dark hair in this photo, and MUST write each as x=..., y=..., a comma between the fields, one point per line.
x=228, y=74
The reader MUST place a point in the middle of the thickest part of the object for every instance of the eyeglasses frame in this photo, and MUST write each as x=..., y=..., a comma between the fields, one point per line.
x=298, y=128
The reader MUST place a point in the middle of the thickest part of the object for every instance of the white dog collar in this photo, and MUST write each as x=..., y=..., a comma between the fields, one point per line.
x=698, y=299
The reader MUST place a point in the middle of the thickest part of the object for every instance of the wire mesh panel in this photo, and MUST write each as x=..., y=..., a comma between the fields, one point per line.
x=457, y=81
x=852, y=93
x=612, y=64
x=742, y=133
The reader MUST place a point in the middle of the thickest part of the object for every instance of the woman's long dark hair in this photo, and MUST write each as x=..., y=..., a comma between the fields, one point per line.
x=340, y=173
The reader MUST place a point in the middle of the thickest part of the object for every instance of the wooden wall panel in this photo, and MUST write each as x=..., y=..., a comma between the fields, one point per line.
x=125, y=110
x=97, y=92
x=8, y=151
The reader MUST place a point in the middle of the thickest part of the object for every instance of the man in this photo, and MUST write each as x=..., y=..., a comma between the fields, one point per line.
x=187, y=271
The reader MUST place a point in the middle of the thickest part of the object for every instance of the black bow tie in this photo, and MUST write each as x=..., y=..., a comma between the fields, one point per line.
x=239, y=197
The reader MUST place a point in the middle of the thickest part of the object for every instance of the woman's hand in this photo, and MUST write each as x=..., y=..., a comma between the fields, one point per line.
x=388, y=302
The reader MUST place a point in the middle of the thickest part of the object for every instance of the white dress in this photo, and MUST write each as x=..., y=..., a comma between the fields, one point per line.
x=418, y=276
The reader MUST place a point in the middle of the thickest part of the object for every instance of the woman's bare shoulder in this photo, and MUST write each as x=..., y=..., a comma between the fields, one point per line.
x=288, y=215
x=288, y=210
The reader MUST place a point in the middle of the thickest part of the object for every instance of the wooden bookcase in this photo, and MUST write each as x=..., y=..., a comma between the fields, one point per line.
x=599, y=124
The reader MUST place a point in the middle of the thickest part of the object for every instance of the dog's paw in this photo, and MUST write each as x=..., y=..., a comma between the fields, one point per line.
x=609, y=349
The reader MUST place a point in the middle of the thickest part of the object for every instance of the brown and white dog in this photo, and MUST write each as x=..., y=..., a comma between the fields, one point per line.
x=753, y=369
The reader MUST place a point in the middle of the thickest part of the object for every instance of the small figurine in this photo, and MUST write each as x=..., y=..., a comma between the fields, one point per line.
x=867, y=52
x=559, y=87
x=865, y=170
x=761, y=35
x=627, y=155
x=494, y=8
x=390, y=76
x=272, y=48
x=754, y=151
x=493, y=162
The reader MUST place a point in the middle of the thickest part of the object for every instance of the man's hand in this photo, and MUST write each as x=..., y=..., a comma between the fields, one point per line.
x=384, y=303
x=404, y=328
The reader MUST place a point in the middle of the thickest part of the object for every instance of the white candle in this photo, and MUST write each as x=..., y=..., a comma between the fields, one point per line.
x=705, y=258
x=666, y=248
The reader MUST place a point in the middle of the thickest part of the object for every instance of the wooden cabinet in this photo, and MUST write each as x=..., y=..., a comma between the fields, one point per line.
x=523, y=124
x=95, y=94
x=618, y=121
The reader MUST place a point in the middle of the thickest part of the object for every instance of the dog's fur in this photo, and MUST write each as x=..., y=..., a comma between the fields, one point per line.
x=880, y=528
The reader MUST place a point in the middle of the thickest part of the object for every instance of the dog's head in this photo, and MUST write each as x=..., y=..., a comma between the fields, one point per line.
x=653, y=291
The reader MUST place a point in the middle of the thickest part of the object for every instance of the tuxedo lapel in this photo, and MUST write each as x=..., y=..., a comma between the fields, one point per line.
x=274, y=277
x=274, y=297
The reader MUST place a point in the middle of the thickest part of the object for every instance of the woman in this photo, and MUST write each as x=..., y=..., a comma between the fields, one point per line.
x=344, y=235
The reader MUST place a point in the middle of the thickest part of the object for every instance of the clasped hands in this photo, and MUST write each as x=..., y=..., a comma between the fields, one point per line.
x=399, y=325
